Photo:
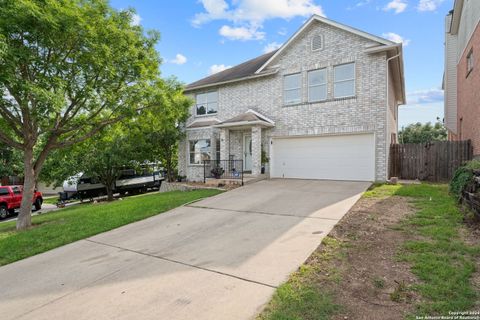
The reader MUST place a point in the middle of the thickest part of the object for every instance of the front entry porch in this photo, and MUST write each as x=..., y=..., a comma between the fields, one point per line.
x=241, y=139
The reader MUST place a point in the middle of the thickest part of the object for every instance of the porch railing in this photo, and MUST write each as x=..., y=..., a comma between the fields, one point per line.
x=223, y=169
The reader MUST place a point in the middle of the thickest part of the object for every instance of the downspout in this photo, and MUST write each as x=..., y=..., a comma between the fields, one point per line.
x=388, y=107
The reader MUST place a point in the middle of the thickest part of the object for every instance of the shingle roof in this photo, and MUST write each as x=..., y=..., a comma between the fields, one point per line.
x=200, y=124
x=242, y=70
x=245, y=117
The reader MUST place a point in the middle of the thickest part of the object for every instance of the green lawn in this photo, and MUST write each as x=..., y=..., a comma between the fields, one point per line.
x=438, y=254
x=78, y=222
x=442, y=260
x=50, y=200
x=301, y=297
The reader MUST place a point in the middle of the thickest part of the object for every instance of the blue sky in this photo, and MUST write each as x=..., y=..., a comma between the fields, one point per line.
x=203, y=36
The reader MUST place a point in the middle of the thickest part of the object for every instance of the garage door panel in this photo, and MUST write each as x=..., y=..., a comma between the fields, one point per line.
x=346, y=157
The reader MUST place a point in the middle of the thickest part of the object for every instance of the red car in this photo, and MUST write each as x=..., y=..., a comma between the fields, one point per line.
x=11, y=198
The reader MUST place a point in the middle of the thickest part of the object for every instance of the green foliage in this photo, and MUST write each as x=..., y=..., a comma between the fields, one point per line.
x=152, y=136
x=11, y=162
x=422, y=133
x=69, y=68
x=440, y=257
x=463, y=176
x=79, y=222
x=161, y=125
x=264, y=157
x=301, y=297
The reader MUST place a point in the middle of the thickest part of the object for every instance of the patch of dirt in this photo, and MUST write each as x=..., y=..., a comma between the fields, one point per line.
x=202, y=185
x=370, y=282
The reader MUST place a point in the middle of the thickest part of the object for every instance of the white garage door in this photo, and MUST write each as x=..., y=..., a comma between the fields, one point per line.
x=344, y=157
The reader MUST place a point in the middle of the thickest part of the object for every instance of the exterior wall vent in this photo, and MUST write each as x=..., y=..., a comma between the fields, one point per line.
x=317, y=42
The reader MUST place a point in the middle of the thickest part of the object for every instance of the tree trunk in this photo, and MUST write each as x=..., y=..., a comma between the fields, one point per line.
x=24, y=219
x=109, y=194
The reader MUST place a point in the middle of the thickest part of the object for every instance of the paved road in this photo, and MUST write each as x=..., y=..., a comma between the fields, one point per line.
x=219, y=258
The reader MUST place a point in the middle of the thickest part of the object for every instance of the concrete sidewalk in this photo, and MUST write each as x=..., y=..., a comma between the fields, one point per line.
x=220, y=258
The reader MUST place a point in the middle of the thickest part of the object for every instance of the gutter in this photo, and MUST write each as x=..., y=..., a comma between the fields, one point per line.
x=243, y=123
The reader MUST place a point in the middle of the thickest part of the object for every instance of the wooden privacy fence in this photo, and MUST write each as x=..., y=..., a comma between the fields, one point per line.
x=433, y=161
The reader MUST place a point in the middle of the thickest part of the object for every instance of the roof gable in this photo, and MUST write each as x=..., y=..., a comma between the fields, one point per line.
x=341, y=26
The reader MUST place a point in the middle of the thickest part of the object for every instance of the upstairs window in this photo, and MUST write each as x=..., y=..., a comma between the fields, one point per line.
x=207, y=103
x=470, y=62
x=292, y=88
x=317, y=85
x=344, y=80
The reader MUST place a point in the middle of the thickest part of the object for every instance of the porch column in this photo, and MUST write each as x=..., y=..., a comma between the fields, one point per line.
x=256, y=150
x=224, y=143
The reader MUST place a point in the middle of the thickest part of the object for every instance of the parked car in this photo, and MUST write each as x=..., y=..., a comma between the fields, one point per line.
x=11, y=199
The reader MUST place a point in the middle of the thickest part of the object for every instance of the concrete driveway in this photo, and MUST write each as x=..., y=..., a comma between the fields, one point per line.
x=219, y=258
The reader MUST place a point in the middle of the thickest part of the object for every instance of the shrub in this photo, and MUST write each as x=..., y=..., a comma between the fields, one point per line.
x=463, y=176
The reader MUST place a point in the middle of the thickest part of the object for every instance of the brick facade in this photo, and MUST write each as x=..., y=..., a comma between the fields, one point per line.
x=367, y=111
x=468, y=95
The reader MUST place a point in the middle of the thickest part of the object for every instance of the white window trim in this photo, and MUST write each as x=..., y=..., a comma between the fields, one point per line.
x=206, y=104
x=346, y=80
x=317, y=85
x=292, y=89
x=190, y=152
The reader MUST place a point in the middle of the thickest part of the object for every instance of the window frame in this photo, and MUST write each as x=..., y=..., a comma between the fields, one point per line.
x=190, y=152
x=317, y=85
x=346, y=80
x=470, y=62
x=292, y=89
x=206, y=104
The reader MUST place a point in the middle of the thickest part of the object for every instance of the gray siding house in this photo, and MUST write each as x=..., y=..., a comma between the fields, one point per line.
x=322, y=106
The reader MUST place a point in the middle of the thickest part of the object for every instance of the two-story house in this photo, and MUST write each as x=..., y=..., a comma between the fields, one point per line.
x=322, y=106
x=461, y=81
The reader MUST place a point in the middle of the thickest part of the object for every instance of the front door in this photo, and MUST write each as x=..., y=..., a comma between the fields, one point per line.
x=247, y=153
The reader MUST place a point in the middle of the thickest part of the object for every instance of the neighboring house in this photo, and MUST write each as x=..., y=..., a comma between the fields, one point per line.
x=462, y=73
x=323, y=106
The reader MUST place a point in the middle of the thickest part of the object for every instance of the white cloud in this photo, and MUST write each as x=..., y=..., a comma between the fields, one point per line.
x=136, y=19
x=241, y=33
x=362, y=3
x=271, y=46
x=179, y=59
x=396, y=5
x=425, y=96
x=217, y=68
x=396, y=38
x=429, y=5
x=282, y=31
x=249, y=15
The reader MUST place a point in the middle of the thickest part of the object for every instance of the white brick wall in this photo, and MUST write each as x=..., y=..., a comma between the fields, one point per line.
x=366, y=112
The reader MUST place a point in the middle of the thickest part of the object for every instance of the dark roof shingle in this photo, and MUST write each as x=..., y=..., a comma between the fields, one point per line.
x=242, y=70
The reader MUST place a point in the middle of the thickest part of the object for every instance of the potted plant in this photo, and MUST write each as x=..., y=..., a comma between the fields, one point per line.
x=265, y=160
x=217, y=172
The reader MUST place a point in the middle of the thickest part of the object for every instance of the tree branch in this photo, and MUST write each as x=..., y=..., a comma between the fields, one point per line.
x=10, y=142
x=88, y=135
x=14, y=122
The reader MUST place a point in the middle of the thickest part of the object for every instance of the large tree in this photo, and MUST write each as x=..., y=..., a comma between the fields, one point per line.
x=102, y=157
x=161, y=125
x=422, y=133
x=68, y=68
x=151, y=136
